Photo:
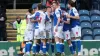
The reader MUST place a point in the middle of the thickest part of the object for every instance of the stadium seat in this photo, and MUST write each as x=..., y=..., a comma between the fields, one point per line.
x=87, y=38
x=84, y=19
x=96, y=25
x=96, y=32
x=94, y=12
x=95, y=18
x=84, y=12
x=86, y=32
x=86, y=25
x=97, y=38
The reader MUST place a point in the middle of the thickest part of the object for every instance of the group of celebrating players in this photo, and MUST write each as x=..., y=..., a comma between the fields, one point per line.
x=52, y=23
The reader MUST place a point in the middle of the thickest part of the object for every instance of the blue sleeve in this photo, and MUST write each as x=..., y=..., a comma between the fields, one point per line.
x=37, y=15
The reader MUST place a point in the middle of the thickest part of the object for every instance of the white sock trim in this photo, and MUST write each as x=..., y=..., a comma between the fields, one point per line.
x=44, y=46
x=57, y=42
x=34, y=44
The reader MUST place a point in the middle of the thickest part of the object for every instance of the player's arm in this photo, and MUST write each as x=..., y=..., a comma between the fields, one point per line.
x=75, y=17
x=68, y=21
x=76, y=14
x=30, y=16
x=35, y=18
x=32, y=20
x=58, y=17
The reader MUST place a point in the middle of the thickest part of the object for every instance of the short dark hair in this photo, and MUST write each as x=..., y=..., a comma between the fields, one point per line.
x=70, y=2
x=30, y=10
x=40, y=6
x=44, y=7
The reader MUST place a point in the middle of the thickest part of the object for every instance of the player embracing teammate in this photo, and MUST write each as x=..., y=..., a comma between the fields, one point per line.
x=53, y=22
x=68, y=25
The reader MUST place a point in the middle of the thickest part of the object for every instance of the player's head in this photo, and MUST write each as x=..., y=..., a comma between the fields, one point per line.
x=30, y=10
x=71, y=4
x=44, y=8
x=52, y=8
x=35, y=7
x=49, y=9
x=40, y=7
x=55, y=5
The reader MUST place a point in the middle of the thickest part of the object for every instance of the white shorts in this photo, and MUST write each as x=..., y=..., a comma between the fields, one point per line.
x=28, y=35
x=58, y=33
x=36, y=34
x=49, y=34
x=42, y=33
x=76, y=31
x=67, y=35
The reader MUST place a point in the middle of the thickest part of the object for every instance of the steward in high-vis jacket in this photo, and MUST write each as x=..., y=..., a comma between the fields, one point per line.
x=20, y=25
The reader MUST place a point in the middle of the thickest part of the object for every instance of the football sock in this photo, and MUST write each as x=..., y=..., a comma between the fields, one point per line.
x=52, y=48
x=74, y=45
x=79, y=45
x=71, y=49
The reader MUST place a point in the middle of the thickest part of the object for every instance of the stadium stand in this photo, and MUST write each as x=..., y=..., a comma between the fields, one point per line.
x=97, y=38
x=96, y=34
x=87, y=38
x=94, y=12
x=96, y=25
x=95, y=19
x=87, y=34
x=85, y=25
x=90, y=23
x=85, y=19
x=84, y=12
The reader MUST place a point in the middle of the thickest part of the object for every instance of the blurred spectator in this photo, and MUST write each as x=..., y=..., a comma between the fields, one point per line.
x=95, y=4
x=3, y=34
x=20, y=25
x=49, y=2
x=3, y=18
x=3, y=4
x=85, y=4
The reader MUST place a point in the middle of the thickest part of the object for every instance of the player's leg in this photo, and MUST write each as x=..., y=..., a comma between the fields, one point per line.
x=60, y=32
x=62, y=43
x=28, y=37
x=26, y=42
x=22, y=48
x=36, y=36
x=47, y=39
x=57, y=40
x=62, y=46
x=68, y=38
x=52, y=41
x=73, y=40
x=77, y=32
x=43, y=38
